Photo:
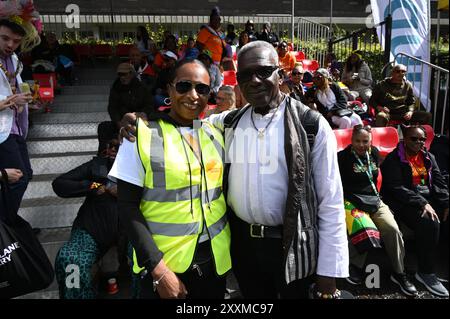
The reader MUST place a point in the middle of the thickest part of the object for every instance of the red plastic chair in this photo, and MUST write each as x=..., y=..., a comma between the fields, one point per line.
x=310, y=65
x=379, y=180
x=234, y=56
x=430, y=135
x=299, y=55
x=229, y=78
x=385, y=139
x=343, y=138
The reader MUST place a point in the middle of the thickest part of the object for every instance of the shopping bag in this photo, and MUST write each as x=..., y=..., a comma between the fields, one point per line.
x=24, y=265
x=361, y=230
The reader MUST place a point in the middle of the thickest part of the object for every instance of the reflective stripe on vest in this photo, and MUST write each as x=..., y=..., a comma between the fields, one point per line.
x=173, y=230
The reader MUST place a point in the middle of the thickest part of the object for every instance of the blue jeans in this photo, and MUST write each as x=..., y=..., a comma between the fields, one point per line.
x=14, y=154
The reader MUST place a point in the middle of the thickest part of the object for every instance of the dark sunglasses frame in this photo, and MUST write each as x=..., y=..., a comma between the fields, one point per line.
x=296, y=73
x=261, y=73
x=183, y=87
x=120, y=74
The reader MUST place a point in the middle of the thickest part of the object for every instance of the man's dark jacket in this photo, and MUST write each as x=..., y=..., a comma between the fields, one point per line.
x=123, y=99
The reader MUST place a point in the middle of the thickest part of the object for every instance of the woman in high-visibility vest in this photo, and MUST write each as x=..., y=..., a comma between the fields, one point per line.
x=170, y=195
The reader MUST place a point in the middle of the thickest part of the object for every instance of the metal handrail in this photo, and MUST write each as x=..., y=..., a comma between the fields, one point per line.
x=357, y=32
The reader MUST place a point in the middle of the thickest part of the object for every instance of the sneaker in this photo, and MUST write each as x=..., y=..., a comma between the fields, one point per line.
x=431, y=282
x=406, y=286
x=356, y=275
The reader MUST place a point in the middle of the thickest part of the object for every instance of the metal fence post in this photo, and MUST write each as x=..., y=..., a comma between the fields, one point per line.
x=387, y=42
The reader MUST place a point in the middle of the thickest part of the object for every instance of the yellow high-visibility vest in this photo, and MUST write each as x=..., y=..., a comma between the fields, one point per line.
x=183, y=193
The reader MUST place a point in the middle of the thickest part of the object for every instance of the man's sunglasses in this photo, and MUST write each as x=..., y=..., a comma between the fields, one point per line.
x=261, y=73
x=121, y=74
x=420, y=139
x=296, y=73
x=182, y=87
x=400, y=71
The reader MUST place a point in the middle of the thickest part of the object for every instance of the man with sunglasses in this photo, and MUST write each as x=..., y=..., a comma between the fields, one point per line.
x=283, y=239
x=393, y=99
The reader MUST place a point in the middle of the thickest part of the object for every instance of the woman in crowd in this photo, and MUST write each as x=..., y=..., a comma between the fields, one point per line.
x=357, y=76
x=243, y=40
x=328, y=99
x=415, y=190
x=172, y=207
x=358, y=165
x=226, y=101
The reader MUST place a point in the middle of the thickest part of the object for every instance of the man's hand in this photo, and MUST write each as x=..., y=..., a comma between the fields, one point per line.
x=112, y=190
x=22, y=98
x=428, y=212
x=101, y=190
x=128, y=125
x=325, y=285
x=407, y=115
x=13, y=175
x=170, y=286
x=8, y=102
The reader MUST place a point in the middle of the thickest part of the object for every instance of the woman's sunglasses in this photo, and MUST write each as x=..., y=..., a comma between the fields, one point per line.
x=182, y=87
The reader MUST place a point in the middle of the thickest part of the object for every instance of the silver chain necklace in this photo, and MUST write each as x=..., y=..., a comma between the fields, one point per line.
x=262, y=131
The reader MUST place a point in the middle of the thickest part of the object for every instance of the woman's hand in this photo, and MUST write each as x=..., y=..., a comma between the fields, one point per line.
x=170, y=286
x=428, y=212
x=128, y=125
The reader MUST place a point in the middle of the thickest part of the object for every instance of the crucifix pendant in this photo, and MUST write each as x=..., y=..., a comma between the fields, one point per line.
x=261, y=133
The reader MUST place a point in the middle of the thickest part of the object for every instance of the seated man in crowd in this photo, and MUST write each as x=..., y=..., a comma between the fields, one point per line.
x=144, y=71
x=393, y=99
x=127, y=94
x=226, y=101
x=96, y=227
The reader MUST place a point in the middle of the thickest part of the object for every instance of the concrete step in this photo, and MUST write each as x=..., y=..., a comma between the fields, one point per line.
x=66, y=118
x=58, y=164
x=62, y=130
x=39, y=189
x=77, y=97
x=62, y=146
x=50, y=212
x=103, y=88
x=80, y=107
